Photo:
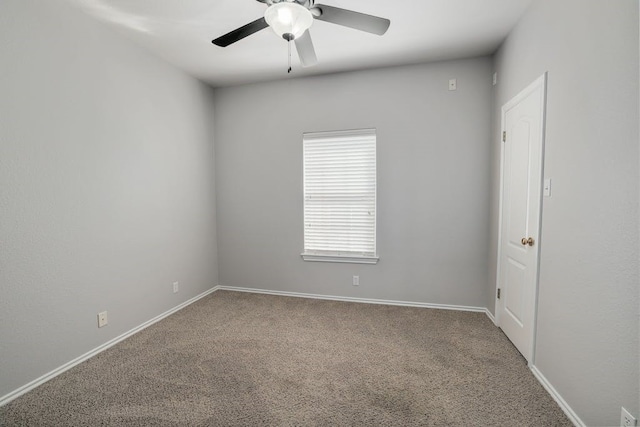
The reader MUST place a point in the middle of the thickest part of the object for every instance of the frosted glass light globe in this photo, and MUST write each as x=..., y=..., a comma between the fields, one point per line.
x=288, y=18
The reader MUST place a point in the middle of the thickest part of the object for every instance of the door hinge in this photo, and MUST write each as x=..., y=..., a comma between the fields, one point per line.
x=498, y=293
x=504, y=136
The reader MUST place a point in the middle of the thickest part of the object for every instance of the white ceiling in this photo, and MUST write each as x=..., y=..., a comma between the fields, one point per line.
x=180, y=31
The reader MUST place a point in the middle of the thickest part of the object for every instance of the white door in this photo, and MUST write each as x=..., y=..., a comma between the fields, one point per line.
x=520, y=209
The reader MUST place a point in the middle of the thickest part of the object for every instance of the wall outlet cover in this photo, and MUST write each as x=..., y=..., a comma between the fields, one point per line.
x=627, y=420
x=102, y=319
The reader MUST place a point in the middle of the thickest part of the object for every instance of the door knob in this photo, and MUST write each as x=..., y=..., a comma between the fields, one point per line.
x=526, y=241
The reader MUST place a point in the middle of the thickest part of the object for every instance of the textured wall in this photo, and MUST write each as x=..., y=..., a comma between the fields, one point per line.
x=587, y=337
x=433, y=181
x=107, y=196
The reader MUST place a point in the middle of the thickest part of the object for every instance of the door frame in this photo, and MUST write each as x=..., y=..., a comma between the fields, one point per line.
x=540, y=82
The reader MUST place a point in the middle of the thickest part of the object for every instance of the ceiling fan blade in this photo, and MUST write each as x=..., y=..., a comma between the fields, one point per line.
x=240, y=33
x=351, y=19
x=305, y=49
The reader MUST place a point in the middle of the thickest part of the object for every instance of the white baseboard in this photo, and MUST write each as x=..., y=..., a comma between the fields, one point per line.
x=556, y=396
x=46, y=377
x=354, y=299
x=490, y=316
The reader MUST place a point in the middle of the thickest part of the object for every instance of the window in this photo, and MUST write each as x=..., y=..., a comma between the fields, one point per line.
x=340, y=196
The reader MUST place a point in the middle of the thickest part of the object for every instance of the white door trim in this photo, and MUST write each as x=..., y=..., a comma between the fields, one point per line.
x=540, y=82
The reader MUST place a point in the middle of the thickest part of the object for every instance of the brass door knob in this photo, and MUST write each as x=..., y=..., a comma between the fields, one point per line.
x=526, y=241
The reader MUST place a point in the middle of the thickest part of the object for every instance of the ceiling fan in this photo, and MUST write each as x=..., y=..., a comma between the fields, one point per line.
x=291, y=20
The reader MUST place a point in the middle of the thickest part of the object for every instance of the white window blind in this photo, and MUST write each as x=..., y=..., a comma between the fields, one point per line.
x=340, y=196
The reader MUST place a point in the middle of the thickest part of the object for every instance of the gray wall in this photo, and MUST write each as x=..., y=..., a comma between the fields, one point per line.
x=107, y=194
x=587, y=340
x=433, y=181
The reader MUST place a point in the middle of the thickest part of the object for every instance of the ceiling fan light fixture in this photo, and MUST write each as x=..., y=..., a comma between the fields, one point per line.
x=288, y=20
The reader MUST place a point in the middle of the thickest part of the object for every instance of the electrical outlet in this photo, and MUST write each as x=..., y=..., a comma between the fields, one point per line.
x=453, y=84
x=627, y=420
x=356, y=280
x=176, y=287
x=102, y=319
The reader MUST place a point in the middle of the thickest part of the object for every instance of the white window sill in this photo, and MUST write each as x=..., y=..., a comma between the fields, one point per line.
x=340, y=258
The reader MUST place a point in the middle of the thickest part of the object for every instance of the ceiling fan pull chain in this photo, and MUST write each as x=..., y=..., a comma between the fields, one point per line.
x=289, y=44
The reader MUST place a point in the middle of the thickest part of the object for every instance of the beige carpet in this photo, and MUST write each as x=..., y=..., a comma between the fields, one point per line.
x=245, y=359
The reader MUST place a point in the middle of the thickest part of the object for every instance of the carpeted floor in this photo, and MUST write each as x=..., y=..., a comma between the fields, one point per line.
x=246, y=359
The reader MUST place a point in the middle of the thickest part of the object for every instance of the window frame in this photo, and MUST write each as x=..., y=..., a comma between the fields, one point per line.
x=341, y=256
